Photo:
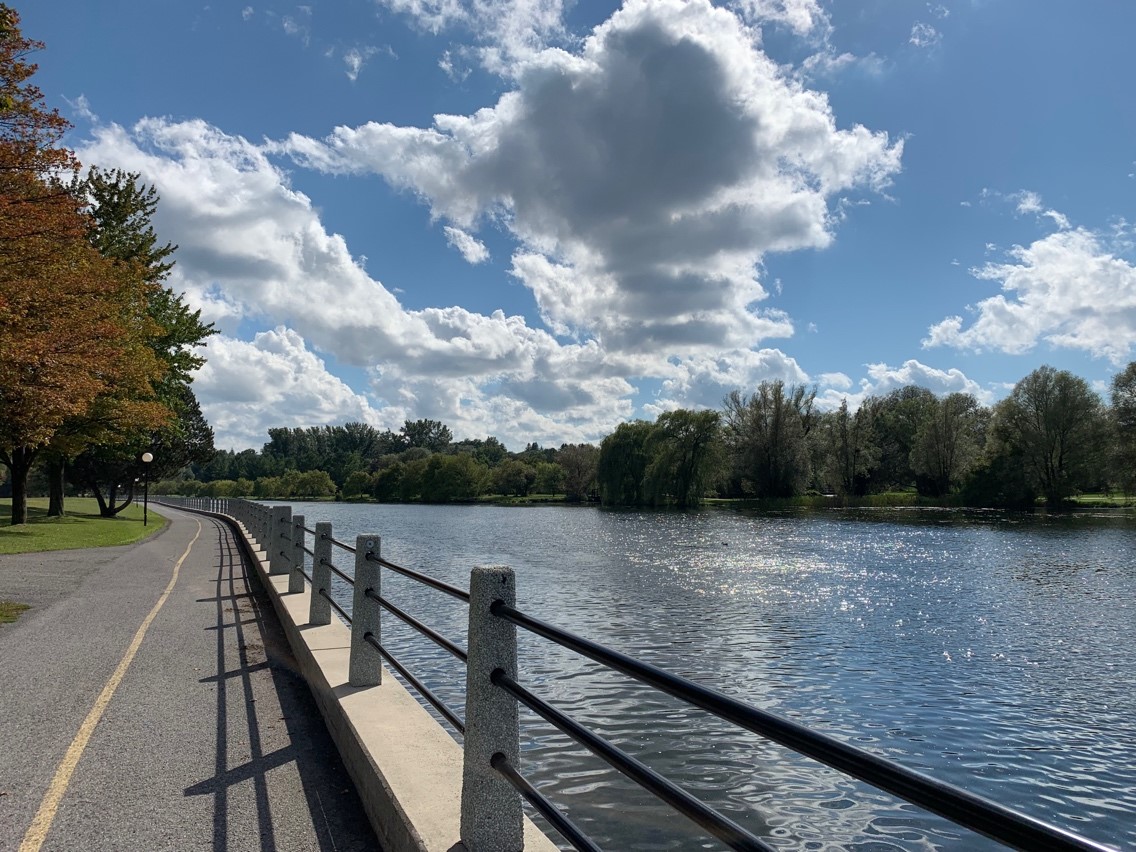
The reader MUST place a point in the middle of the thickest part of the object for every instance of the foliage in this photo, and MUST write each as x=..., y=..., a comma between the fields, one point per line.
x=686, y=456
x=1124, y=426
x=578, y=462
x=1052, y=422
x=948, y=442
x=622, y=464
x=765, y=435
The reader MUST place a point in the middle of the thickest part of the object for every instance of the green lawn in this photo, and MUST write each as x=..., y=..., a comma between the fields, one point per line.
x=81, y=527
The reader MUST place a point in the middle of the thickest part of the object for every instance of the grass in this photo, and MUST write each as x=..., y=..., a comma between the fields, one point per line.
x=80, y=527
x=10, y=611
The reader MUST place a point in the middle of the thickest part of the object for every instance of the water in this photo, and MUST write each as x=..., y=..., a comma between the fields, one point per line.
x=991, y=652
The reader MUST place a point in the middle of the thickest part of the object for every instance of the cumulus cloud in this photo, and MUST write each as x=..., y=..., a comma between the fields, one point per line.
x=246, y=388
x=643, y=179
x=881, y=379
x=1068, y=289
x=645, y=176
x=252, y=249
x=471, y=248
x=703, y=382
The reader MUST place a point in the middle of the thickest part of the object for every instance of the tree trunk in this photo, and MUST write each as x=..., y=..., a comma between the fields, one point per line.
x=55, y=467
x=22, y=459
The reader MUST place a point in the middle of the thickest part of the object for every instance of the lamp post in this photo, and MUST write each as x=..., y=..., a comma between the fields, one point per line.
x=147, y=457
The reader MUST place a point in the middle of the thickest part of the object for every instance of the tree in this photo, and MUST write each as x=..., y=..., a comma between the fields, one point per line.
x=549, y=478
x=622, y=464
x=432, y=435
x=895, y=420
x=766, y=434
x=63, y=310
x=948, y=443
x=848, y=448
x=579, y=464
x=158, y=413
x=1054, y=422
x=686, y=456
x=1124, y=425
x=513, y=477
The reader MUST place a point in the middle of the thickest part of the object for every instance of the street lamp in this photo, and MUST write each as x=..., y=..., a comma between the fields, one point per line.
x=147, y=457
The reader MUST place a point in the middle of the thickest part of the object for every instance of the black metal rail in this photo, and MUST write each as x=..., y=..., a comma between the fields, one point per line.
x=309, y=552
x=452, y=591
x=543, y=804
x=418, y=685
x=428, y=632
x=323, y=593
x=722, y=827
x=960, y=807
x=337, y=543
x=337, y=572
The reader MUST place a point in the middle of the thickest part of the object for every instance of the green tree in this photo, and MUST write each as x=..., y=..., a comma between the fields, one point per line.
x=622, y=464
x=895, y=420
x=1054, y=422
x=686, y=456
x=549, y=478
x=848, y=449
x=452, y=478
x=766, y=438
x=948, y=443
x=513, y=477
x=1124, y=425
x=579, y=464
x=119, y=212
x=432, y=435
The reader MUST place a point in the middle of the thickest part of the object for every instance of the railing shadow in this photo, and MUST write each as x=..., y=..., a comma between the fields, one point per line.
x=248, y=644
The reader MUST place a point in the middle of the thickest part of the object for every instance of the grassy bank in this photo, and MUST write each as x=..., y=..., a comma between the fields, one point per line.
x=10, y=611
x=81, y=527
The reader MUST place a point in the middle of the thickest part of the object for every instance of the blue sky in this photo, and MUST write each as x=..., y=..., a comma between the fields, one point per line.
x=536, y=219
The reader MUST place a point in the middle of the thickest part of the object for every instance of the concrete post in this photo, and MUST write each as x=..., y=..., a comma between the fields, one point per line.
x=296, y=577
x=278, y=546
x=491, y=815
x=320, y=610
x=366, y=665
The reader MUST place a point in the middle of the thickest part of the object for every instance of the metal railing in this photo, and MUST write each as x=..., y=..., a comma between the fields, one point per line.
x=491, y=778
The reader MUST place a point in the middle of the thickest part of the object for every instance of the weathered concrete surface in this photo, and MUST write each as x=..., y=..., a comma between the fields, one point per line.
x=212, y=741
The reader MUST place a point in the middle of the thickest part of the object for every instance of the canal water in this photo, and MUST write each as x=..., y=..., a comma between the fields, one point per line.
x=995, y=652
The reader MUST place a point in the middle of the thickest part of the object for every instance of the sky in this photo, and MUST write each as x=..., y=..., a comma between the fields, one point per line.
x=537, y=219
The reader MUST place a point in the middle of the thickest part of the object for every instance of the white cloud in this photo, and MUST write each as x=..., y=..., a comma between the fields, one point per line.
x=881, y=379
x=939, y=11
x=924, y=35
x=252, y=250
x=355, y=58
x=507, y=31
x=1029, y=203
x=471, y=248
x=1067, y=289
x=246, y=13
x=803, y=17
x=245, y=388
x=645, y=177
x=703, y=382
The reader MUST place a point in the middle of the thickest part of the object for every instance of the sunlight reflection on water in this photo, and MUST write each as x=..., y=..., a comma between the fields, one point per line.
x=994, y=653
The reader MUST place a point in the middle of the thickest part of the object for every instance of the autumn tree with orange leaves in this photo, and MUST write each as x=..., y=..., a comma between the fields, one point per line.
x=73, y=323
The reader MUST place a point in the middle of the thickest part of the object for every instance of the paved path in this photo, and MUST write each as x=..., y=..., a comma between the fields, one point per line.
x=211, y=741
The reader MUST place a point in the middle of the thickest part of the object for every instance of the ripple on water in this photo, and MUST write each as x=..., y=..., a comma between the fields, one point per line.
x=992, y=652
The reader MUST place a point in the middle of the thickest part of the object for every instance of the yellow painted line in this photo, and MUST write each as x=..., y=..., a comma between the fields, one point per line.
x=45, y=816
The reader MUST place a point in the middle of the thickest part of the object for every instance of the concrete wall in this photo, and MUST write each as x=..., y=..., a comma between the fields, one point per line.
x=407, y=769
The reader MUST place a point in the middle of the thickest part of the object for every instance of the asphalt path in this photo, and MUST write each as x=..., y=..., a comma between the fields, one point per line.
x=208, y=739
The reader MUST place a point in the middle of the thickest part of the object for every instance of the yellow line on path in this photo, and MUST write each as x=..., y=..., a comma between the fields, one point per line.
x=45, y=816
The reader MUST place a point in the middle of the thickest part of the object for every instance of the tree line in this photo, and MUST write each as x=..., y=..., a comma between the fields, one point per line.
x=96, y=354
x=1051, y=438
